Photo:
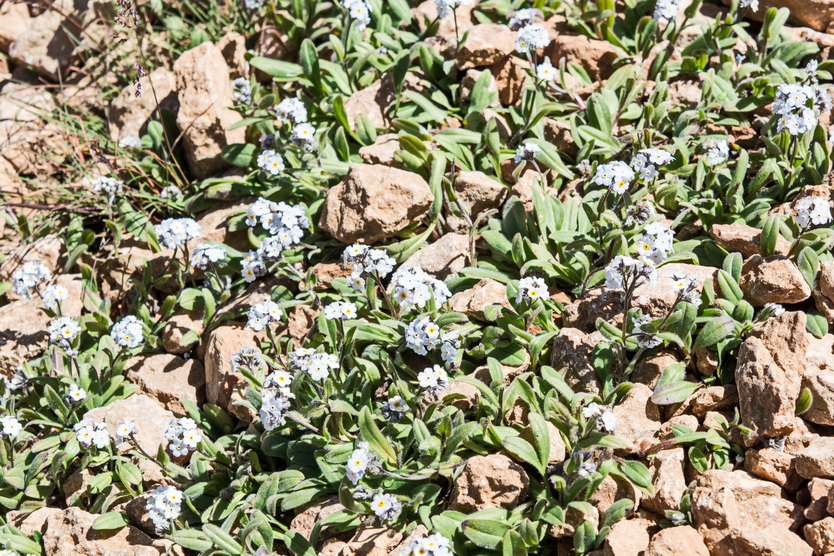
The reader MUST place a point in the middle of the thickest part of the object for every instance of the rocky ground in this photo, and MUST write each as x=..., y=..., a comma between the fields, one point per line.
x=420, y=309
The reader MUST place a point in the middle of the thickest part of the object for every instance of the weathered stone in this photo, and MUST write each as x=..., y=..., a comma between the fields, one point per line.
x=14, y=20
x=595, y=56
x=817, y=460
x=713, y=398
x=151, y=419
x=612, y=489
x=816, y=14
x=818, y=493
x=739, y=238
x=771, y=540
x=773, y=465
x=327, y=272
x=204, y=116
x=558, y=449
x=675, y=541
x=312, y=513
x=572, y=350
x=176, y=330
x=475, y=300
x=668, y=480
x=382, y=151
x=478, y=193
x=485, y=45
x=773, y=279
x=510, y=74
x=273, y=43
x=820, y=535
x=444, y=257
x=426, y=13
x=493, y=481
x=637, y=416
x=169, y=379
x=819, y=379
x=47, y=43
x=233, y=48
x=627, y=537
x=130, y=115
x=224, y=385
x=374, y=202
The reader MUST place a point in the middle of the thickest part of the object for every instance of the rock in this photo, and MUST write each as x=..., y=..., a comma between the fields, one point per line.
x=816, y=14
x=713, y=398
x=669, y=482
x=443, y=258
x=773, y=465
x=151, y=419
x=372, y=102
x=510, y=73
x=817, y=460
x=204, y=116
x=627, y=537
x=233, y=48
x=478, y=193
x=492, y=481
x=558, y=132
x=771, y=540
x=637, y=416
x=595, y=56
x=823, y=40
x=674, y=541
x=373, y=203
x=573, y=519
x=818, y=492
x=773, y=279
x=47, y=43
x=612, y=489
x=820, y=535
x=137, y=512
x=224, y=386
x=214, y=225
x=372, y=541
x=475, y=300
x=739, y=238
x=824, y=290
x=485, y=45
x=651, y=366
x=327, y=272
x=314, y=512
x=768, y=375
x=48, y=251
x=130, y=115
x=75, y=486
x=14, y=20
x=176, y=330
x=169, y=379
x=382, y=151
x=69, y=532
x=819, y=379
x=572, y=350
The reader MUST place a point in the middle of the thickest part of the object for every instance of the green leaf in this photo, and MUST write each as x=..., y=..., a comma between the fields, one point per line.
x=240, y=154
x=770, y=235
x=110, y=521
x=637, y=473
x=714, y=331
x=191, y=539
x=808, y=263
x=803, y=403
x=298, y=544
x=374, y=437
x=485, y=533
x=816, y=324
x=222, y=539
x=671, y=387
x=523, y=451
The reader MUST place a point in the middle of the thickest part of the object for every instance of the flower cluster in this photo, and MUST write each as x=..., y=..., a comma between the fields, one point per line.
x=386, y=506
x=242, y=90
x=9, y=427
x=285, y=223
x=174, y=232
x=63, y=331
x=291, y=109
x=773, y=310
x=625, y=272
x=412, y=287
x=433, y=545
x=523, y=18
x=340, y=310
x=752, y=4
x=647, y=161
x=798, y=107
x=616, y=176
x=317, y=365
x=445, y=7
x=206, y=253
x=423, y=335
x=89, y=433
x=358, y=462
x=171, y=192
x=363, y=261
x=718, y=151
x=665, y=10
x=531, y=38
x=163, y=505
x=359, y=11
x=182, y=436
x=434, y=379
x=53, y=295
x=686, y=287
x=656, y=243
x=531, y=289
x=271, y=162
x=108, y=185
x=263, y=314
x=304, y=135
x=276, y=399
x=252, y=266
x=812, y=210
x=127, y=332
x=249, y=357
x=527, y=151
x=28, y=276
x=605, y=418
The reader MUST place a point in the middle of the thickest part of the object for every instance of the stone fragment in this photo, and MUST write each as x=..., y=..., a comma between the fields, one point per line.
x=820, y=535
x=572, y=350
x=485, y=45
x=443, y=258
x=739, y=238
x=14, y=20
x=233, y=48
x=177, y=330
x=475, y=300
x=478, y=193
x=382, y=151
x=314, y=512
x=224, y=385
x=773, y=279
x=47, y=43
x=816, y=14
x=674, y=541
x=817, y=460
x=713, y=398
x=669, y=482
x=493, y=481
x=611, y=490
x=637, y=417
x=773, y=465
x=770, y=540
x=595, y=56
x=510, y=73
x=818, y=492
x=204, y=116
x=130, y=115
x=151, y=419
x=627, y=537
x=169, y=379
x=374, y=202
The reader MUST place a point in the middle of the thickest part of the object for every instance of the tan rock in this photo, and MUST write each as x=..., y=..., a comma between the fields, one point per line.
x=773, y=279
x=151, y=419
x=510, y=73
x=374, y=202
x=650, y=367
x=372, y=541
x=48, y=251
x=475, y=300
x=773, y=465
x=204, y=116
x=611, y=490
x=76, y=485
x=818, y=493
x=233, y=48
x=14, y=20
x=595, y=56
x=478, y=193
x=768, y=375
x=771, y=540
x=372, y=102
x=486, y=44
x=572, y=350
x=816, y=14
x=175, y=332
x=169, y=379
x=820, y=535
x=677, y=540
x=471, y=77
x=738, y=238
x=637, y=416
x=493, y=481
x=558, y=132
x=817, y=460
x=443, y=258
x=46, y=45
x=713, y=398
x=314, y=512
x=224, y=385
x=130, y=115
x=627, y=537
x=668, y=480
x=382, y=151
x=327, y=272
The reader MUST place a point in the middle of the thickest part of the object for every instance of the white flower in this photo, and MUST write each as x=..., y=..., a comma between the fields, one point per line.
x=28, y=276
x=125, y=430
x=523, y=18
x=163, y=506
x=587, y=469
x=271, y=162
x=242, y=90
x=263, y=314
x=531, y=38
x=304, y=134
x=128, y=332
x=182, y=435
x=655, y=244
x=434, y=379
x=285, y=223
x=53, y=294
x=10, y=427
x=359, y=11
x=357, y=463
x=108, y=185
x=174, y=232
x=76, y=394
x=206, y=253
x=812, y=210
x=773, y=309
x=291, y=109
x=171, y=192
x=363, y=261
x=445, y=7
x=752, y=4
x=625, y=272
x=340, y=310
x=665, y=10
x=616, y=175
x=798, y=107
x=605, y=418
x=644, y=339
x=527, y=151
x=385, y=506
x=63, y=331
x=130, y=142
x=546, y=71
x=717, y=151
x=89, y=433
x=274, y=403
x=317, y=365
x=252, y=266
x=394, y=408
x=686, y=286
x=433, y=545
x=531, y=289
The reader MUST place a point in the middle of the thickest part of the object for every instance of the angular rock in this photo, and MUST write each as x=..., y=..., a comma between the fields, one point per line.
x=817, y=460
x=176, y=330
x=572, y=350
x=151, y=419
x=668, y=480
x=169, y=379
x=382, y=151
x=48, y=41
x=47, y=251
x=493, y=481
x=771, y=540
x=673, y=541
x=613, y=489
x=627, y=537
x=314, y=512
x=327, y=272
x=773, y=279
x=824, y=290
x=773, y=465
x=130, y=115
x=223, y=384
x=637, y=416
x=373, y=203
x=713, y=398
x=819, y=379
x=486, y=44
x=510, y=73
x=443, y=258
x=595, y=56
x=475, y=300
x=14, y=20
x=816, y=14
x=204, y=116
x=820, y=535
x=818, y=492
x=478, y=193
x=233, y=48
x=739, y=238
x=558, y=449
